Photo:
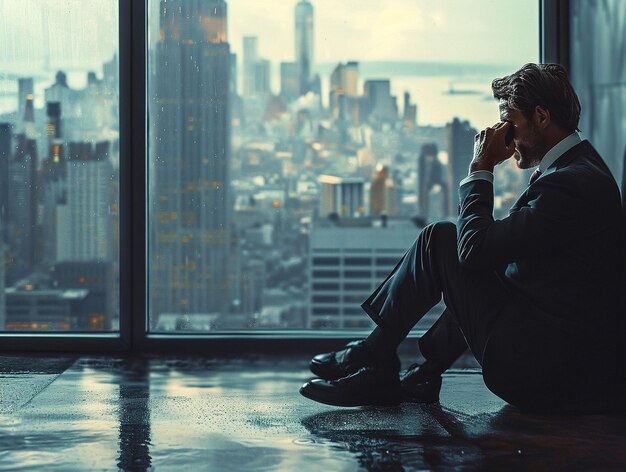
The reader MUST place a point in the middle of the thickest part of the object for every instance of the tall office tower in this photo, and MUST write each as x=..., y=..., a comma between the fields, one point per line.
x=233, y=74
x=190, y=230
x=53, y=127
x=289, y=81
x=53, y=183
x=381, y=104
x=343, y=83
x=6, y=143
x=410, y=112
x=459, y=142
x=3, y=318
x=304, y=44
x=29, y=118
x=250, y=59
x=430, y=173
x=23, y=191
x=385, y=194
x=262, y=77
x=6, y=139
x=22, y=209
x=341, y=196
x=83, y=224
x=25, y=92
x=59, y=92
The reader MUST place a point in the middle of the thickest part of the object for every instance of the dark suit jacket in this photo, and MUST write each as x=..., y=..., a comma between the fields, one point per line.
x=559, y=248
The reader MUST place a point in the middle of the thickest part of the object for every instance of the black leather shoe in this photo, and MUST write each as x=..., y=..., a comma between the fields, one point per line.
x=418, y=387
x=367, y=386
x=338, y=364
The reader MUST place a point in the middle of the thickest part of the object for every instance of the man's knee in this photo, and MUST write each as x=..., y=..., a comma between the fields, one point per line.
x=444, y=226
x=441, y=230
x=439, y=237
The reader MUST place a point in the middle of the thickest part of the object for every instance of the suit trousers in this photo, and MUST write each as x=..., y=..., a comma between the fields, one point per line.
x=429, y=270
x=526, y=360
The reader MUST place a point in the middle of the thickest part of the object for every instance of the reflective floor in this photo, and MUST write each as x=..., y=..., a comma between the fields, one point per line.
x=246, y=414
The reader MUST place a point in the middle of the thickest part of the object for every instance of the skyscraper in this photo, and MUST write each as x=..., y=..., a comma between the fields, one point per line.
x=410, y=112
x=190, y=235
x=304, y=46
x=25, y=92
x=83, y=224
x=6, y=143
x=250, y=59
x=459, y=141
x=53, y=182
x=289, y=81
x=381, y=104
x=262, y=77
x=430, y=172
x=5, y=153
x=23, y=196
x=343, y=83
x=385, y=195
x=233, y=74
x=22, y=208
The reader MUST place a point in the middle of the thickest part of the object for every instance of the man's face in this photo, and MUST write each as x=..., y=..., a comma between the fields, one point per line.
x=528, y=138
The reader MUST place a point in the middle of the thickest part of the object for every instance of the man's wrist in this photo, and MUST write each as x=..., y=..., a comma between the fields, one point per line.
x=476, y=166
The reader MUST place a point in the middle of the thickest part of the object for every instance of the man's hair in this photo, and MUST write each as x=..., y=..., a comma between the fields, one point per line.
x=546, y=85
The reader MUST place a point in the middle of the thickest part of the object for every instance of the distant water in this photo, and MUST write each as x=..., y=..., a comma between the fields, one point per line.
x=437, y=106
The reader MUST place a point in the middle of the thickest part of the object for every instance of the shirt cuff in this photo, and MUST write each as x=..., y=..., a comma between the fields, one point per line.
x=478, y=175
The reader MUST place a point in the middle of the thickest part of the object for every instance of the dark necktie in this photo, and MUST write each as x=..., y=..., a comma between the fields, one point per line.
x=535, y=175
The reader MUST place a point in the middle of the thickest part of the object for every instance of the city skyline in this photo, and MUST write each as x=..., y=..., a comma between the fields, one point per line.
x=242, y=183
x=274, y=29
x=404, y=24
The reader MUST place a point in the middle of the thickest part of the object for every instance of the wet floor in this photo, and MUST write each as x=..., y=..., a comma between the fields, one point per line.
x=246, y=414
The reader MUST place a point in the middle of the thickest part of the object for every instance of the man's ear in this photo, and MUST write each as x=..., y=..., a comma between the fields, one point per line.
x=542, y=117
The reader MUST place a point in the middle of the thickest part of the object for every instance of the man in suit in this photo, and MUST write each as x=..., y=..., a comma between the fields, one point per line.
x=534, y=296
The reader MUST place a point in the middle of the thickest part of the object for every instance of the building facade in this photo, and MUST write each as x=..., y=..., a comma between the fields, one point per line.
x=189, y=177
x=348, y=259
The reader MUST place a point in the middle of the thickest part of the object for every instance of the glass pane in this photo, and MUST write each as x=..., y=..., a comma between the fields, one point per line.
x=59, y=162
x=295, y=155
x=598, y=69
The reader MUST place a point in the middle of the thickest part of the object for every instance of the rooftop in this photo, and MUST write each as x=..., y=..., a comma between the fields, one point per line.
x=68, y=413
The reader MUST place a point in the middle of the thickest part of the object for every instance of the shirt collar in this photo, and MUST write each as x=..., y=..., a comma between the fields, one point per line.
x=558, y=150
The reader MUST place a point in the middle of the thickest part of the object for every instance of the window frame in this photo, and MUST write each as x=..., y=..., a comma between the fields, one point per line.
x=133, y=335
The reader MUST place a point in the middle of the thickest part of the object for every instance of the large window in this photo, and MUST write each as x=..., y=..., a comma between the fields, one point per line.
x=59, y=162
x=598, y=69
x=293, y=154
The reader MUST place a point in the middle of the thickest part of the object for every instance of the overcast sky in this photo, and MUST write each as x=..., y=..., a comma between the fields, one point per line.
x=488, y=31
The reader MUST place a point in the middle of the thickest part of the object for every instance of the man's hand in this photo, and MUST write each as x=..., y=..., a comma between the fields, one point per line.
x=489, y=148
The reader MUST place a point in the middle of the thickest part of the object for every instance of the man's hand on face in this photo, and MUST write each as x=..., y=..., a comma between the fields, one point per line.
x=490, y=149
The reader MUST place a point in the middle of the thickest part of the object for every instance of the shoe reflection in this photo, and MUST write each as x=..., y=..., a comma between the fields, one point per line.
x=406, y=437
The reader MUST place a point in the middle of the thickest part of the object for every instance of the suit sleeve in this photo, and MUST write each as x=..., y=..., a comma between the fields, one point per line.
x=552, y=218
